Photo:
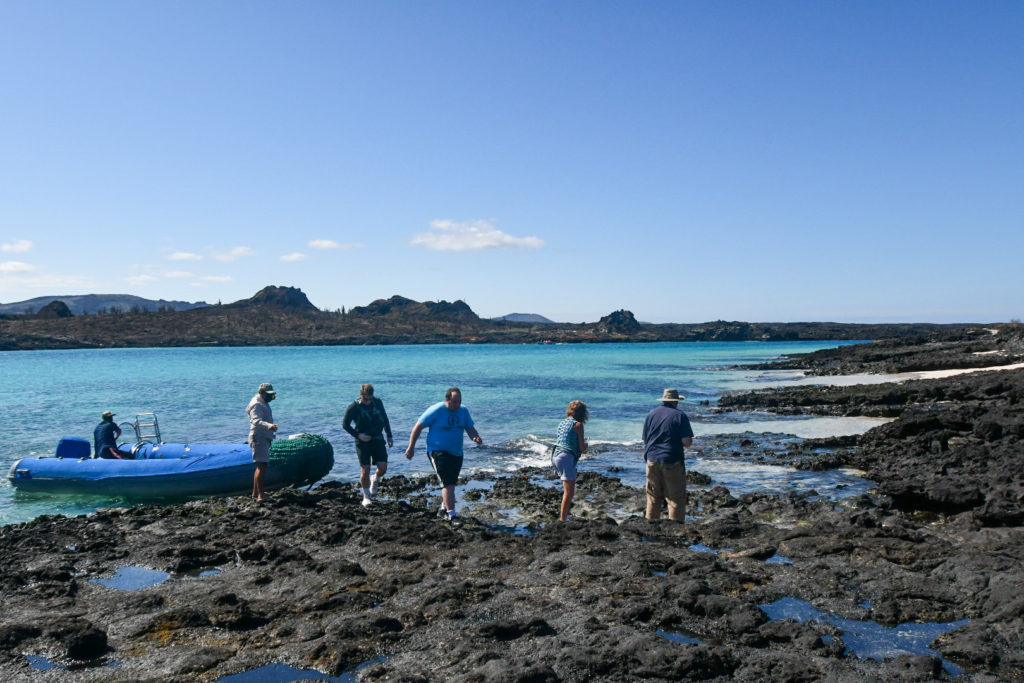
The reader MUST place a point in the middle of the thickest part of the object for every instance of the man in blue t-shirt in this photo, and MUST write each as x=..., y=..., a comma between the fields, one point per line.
x=667, y=433
x=445, y=423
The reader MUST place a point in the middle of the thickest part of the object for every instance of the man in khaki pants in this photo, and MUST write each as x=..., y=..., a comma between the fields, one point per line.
x=667, y=433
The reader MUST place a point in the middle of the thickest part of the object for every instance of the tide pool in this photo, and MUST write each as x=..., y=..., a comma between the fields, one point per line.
x=516, y=393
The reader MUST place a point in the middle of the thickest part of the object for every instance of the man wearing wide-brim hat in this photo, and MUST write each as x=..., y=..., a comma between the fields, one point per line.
x=262, y=430
x=667, y=434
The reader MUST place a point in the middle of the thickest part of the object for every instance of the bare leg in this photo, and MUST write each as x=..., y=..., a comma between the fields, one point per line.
x=364, y=477
x=382, y=467
x=257, y=480
x=569, y=490
x=448, y=498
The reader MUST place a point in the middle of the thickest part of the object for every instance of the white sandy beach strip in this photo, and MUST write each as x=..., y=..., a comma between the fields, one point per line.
x=869, y=378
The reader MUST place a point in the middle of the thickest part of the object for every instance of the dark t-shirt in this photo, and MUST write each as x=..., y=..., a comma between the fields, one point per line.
x=371, y=419
x=664, y=431
x=105, y=436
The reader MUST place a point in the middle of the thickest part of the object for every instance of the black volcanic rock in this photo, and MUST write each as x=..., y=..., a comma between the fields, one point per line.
x=954, y=445
x=619, y=322
x=55, y=309
x=282, y=297
x=928, y=349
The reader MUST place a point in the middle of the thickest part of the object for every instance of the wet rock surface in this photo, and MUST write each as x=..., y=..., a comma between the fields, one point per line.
x=315, y=581
x=392, y=592
x=955, y=445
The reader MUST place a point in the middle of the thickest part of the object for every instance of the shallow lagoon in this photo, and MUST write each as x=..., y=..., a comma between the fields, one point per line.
x=517, y=395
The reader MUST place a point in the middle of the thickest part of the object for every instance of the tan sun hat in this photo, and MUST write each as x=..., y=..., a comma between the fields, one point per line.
x=106, y=415
x=671, y=395
x=267, y=388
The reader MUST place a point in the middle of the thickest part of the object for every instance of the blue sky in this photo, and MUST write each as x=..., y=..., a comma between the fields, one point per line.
x=688, y=161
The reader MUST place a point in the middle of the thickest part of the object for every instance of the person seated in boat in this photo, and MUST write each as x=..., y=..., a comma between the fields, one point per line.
x=105, y=437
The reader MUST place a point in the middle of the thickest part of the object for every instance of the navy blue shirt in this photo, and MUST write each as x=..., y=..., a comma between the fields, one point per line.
x=664, y=431
x=105, y=436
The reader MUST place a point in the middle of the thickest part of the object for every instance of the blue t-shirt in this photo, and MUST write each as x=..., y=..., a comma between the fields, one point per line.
x=664, y=431
x=446, y=427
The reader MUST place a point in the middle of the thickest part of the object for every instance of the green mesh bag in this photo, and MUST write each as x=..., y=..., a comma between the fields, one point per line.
x=304, y=458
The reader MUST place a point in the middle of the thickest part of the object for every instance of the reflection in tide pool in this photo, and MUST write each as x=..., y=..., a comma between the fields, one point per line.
x=867, y=639
x=41, y=663
x=282, y=673
x=677, y=637
x=133, y=578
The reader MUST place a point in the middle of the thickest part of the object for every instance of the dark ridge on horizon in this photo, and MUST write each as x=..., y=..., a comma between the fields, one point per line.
x=533, y=318
x=284, y=316
x=80, y=304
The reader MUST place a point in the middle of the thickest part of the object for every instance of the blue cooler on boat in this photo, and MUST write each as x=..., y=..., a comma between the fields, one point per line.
x=73, y=447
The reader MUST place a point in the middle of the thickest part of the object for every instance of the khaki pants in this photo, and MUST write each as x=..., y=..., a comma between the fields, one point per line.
x=666, y=482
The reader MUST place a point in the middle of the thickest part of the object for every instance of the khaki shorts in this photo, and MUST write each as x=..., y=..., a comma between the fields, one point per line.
x=666, y=484
x=260, y=450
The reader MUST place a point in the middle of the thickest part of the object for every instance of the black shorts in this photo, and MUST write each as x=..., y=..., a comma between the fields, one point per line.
x=371, y=452
x=446, y=465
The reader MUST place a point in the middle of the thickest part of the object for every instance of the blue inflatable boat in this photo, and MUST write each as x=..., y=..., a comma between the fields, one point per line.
x=172, y=470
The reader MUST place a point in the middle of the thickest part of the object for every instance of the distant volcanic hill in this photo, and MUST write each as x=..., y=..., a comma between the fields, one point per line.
x=291, y=298
x=399, y=306
x=55, y=309
x=80, y=304
x=619, y=322
x=532, y=318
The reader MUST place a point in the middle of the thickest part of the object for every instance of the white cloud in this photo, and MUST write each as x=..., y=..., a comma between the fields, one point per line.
x=16, y=247
x=331, y=244
x=216, y=278
x=140, y=280
x=294, y=256
x=45, y=282
x=470, y=236
x=178, y=273
x=185, y=256
x=234, y=254
x=16, y=267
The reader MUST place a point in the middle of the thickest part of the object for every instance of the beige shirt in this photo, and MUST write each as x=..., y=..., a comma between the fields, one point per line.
x=260, y=419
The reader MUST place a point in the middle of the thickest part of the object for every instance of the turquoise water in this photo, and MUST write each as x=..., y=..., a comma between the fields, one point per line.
x=516, y=394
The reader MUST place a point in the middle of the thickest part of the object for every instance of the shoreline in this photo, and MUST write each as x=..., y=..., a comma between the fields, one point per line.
x=879, y=378
x=317, y=583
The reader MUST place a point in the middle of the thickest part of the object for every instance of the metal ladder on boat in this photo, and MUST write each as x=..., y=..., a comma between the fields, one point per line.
x=147, y=429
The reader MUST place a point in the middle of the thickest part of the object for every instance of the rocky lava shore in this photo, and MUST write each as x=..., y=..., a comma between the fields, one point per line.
x=316, y=582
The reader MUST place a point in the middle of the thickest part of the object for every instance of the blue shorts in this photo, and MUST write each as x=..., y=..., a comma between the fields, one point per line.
x=564, y=463
x=446, y=466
